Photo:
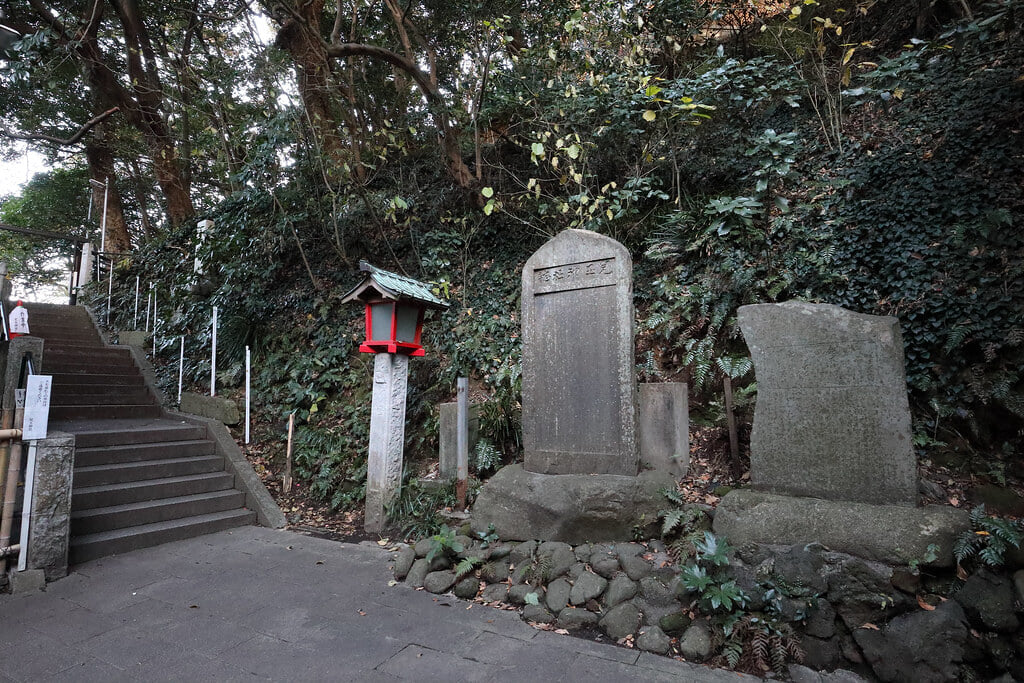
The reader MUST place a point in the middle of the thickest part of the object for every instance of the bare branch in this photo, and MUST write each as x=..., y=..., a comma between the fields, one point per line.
x=64, y=142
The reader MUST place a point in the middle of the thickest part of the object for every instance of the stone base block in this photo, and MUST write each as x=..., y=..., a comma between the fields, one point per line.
x=572, y=508
x=28, y=581
x=214, y=407
x=892, y=534
x=132, y=338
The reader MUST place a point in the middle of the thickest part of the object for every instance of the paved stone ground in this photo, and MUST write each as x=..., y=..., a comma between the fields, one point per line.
x=263, y=604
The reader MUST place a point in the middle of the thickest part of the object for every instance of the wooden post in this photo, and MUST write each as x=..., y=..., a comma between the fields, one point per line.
x=734, y=442
x=286, y=481
x=462, y=441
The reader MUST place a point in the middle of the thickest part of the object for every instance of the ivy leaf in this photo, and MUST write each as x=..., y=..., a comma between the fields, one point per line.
x=487, y=192
x=531, y=599
x=649, y=115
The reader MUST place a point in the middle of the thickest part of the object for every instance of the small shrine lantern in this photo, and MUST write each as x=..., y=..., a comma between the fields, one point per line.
x=394, y=310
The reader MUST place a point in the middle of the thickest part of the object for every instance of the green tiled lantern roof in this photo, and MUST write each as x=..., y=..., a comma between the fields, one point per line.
x=383, y=284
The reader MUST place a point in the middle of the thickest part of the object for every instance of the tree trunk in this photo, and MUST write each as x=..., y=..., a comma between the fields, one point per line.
x=101, y=168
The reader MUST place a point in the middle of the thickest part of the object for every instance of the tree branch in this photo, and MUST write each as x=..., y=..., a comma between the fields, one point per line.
x=64, y=142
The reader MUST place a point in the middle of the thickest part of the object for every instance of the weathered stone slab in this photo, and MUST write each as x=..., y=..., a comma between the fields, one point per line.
x=579, y=383
x=448, y=436
x=664, y=427
x=135, y=338
x=572, y=508
x=214, y=407
x=893, y=534
x=51, y=505
x=832, y=418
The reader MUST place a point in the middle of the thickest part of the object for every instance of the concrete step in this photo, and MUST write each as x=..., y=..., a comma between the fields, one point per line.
x=96, y=456
x=84, y=412
x=139, y=435
x=150, y=511
x=87, y=367
x=131, y=396
x=89, y=338
x=91, y=546
x=92, y=354
x=89, y=497
x=78, y=379
x=122, y=472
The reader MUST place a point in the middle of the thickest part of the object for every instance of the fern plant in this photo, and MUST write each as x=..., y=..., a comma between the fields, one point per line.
x=762, y=643
x=987, y=540
x=682, y=526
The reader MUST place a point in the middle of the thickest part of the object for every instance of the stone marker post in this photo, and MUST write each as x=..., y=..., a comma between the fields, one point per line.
x=387, y=436
x=579, y=379
x=394, y=309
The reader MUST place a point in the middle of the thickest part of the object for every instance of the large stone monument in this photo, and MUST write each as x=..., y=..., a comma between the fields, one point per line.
x=831, y=455
x=579, y=480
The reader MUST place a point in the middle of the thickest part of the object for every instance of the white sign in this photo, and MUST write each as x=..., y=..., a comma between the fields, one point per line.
x=18, y=320
x=37, y=407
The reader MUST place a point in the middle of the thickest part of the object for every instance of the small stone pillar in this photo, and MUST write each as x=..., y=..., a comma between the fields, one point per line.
x=51, y=505
x=387, y=436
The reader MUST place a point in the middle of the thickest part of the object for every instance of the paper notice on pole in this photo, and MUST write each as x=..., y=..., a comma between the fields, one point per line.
x=18, y=320
x=37, y=407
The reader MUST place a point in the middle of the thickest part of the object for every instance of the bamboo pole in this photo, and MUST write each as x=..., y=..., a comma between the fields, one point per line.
x=286, y=482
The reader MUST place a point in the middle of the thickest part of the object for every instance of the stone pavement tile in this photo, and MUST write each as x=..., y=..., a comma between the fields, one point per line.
x=129, y=646
x=290, y=623
x=513, y=658
x=108, y=599
x=75, y=624
x=22, y=611
x=418, y=663
x=190, y=668
x=206, y=634
x=278, y=660
x=39, y=657
x=90, y=671
x=589, y=647
x=597, y=669
x=227, y=599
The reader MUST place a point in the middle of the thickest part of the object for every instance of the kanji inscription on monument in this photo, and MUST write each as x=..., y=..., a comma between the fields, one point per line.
x=832, y=419
x=579, y=384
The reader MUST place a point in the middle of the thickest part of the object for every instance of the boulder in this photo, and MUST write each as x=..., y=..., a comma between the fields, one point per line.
x=921, y=646
x=573, y=508
x=587, y=587
x=695, y=643
x=538, y=614
x=621, y=621
x=557, y=558
x=495, y=592
x=417, y=573
x=403, y=561
x=558, y=595
x=893, y=534
x=987, y=601
x=635, y=566
x=439, y=582
x=604, y=564
x=570, y=617
x=467, y=588
x=620, y=589
x=495, y=571
x=653, y=639
x=214, y=407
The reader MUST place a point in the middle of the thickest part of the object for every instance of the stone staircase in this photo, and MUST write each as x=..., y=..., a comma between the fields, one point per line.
x=141, y=478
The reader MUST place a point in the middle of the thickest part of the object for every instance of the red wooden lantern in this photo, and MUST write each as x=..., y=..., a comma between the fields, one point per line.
x=395, y=305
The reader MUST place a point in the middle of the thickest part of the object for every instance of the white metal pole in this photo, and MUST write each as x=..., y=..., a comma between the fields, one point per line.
x=248, y=388
x=103, y=223
x=462, y=440
x=213, y=356
x=149, y=294
x=110, y=288
x=181, y=368
x=135, y=320
x=26, y=506
x=154, y=323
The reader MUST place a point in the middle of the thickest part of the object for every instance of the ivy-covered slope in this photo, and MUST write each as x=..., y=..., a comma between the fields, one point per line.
x=796, y=167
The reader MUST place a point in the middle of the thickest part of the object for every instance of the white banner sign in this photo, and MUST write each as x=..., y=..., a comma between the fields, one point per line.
x=37, y=407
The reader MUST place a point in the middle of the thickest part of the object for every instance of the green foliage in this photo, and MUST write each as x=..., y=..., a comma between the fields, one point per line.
x=682, y=526
x=486, y=458
x=487, y=537
x=445, y=544
x=988, y=539
x=466, y=566
x=715, y=592
x=416, y=511
x=767, y=643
